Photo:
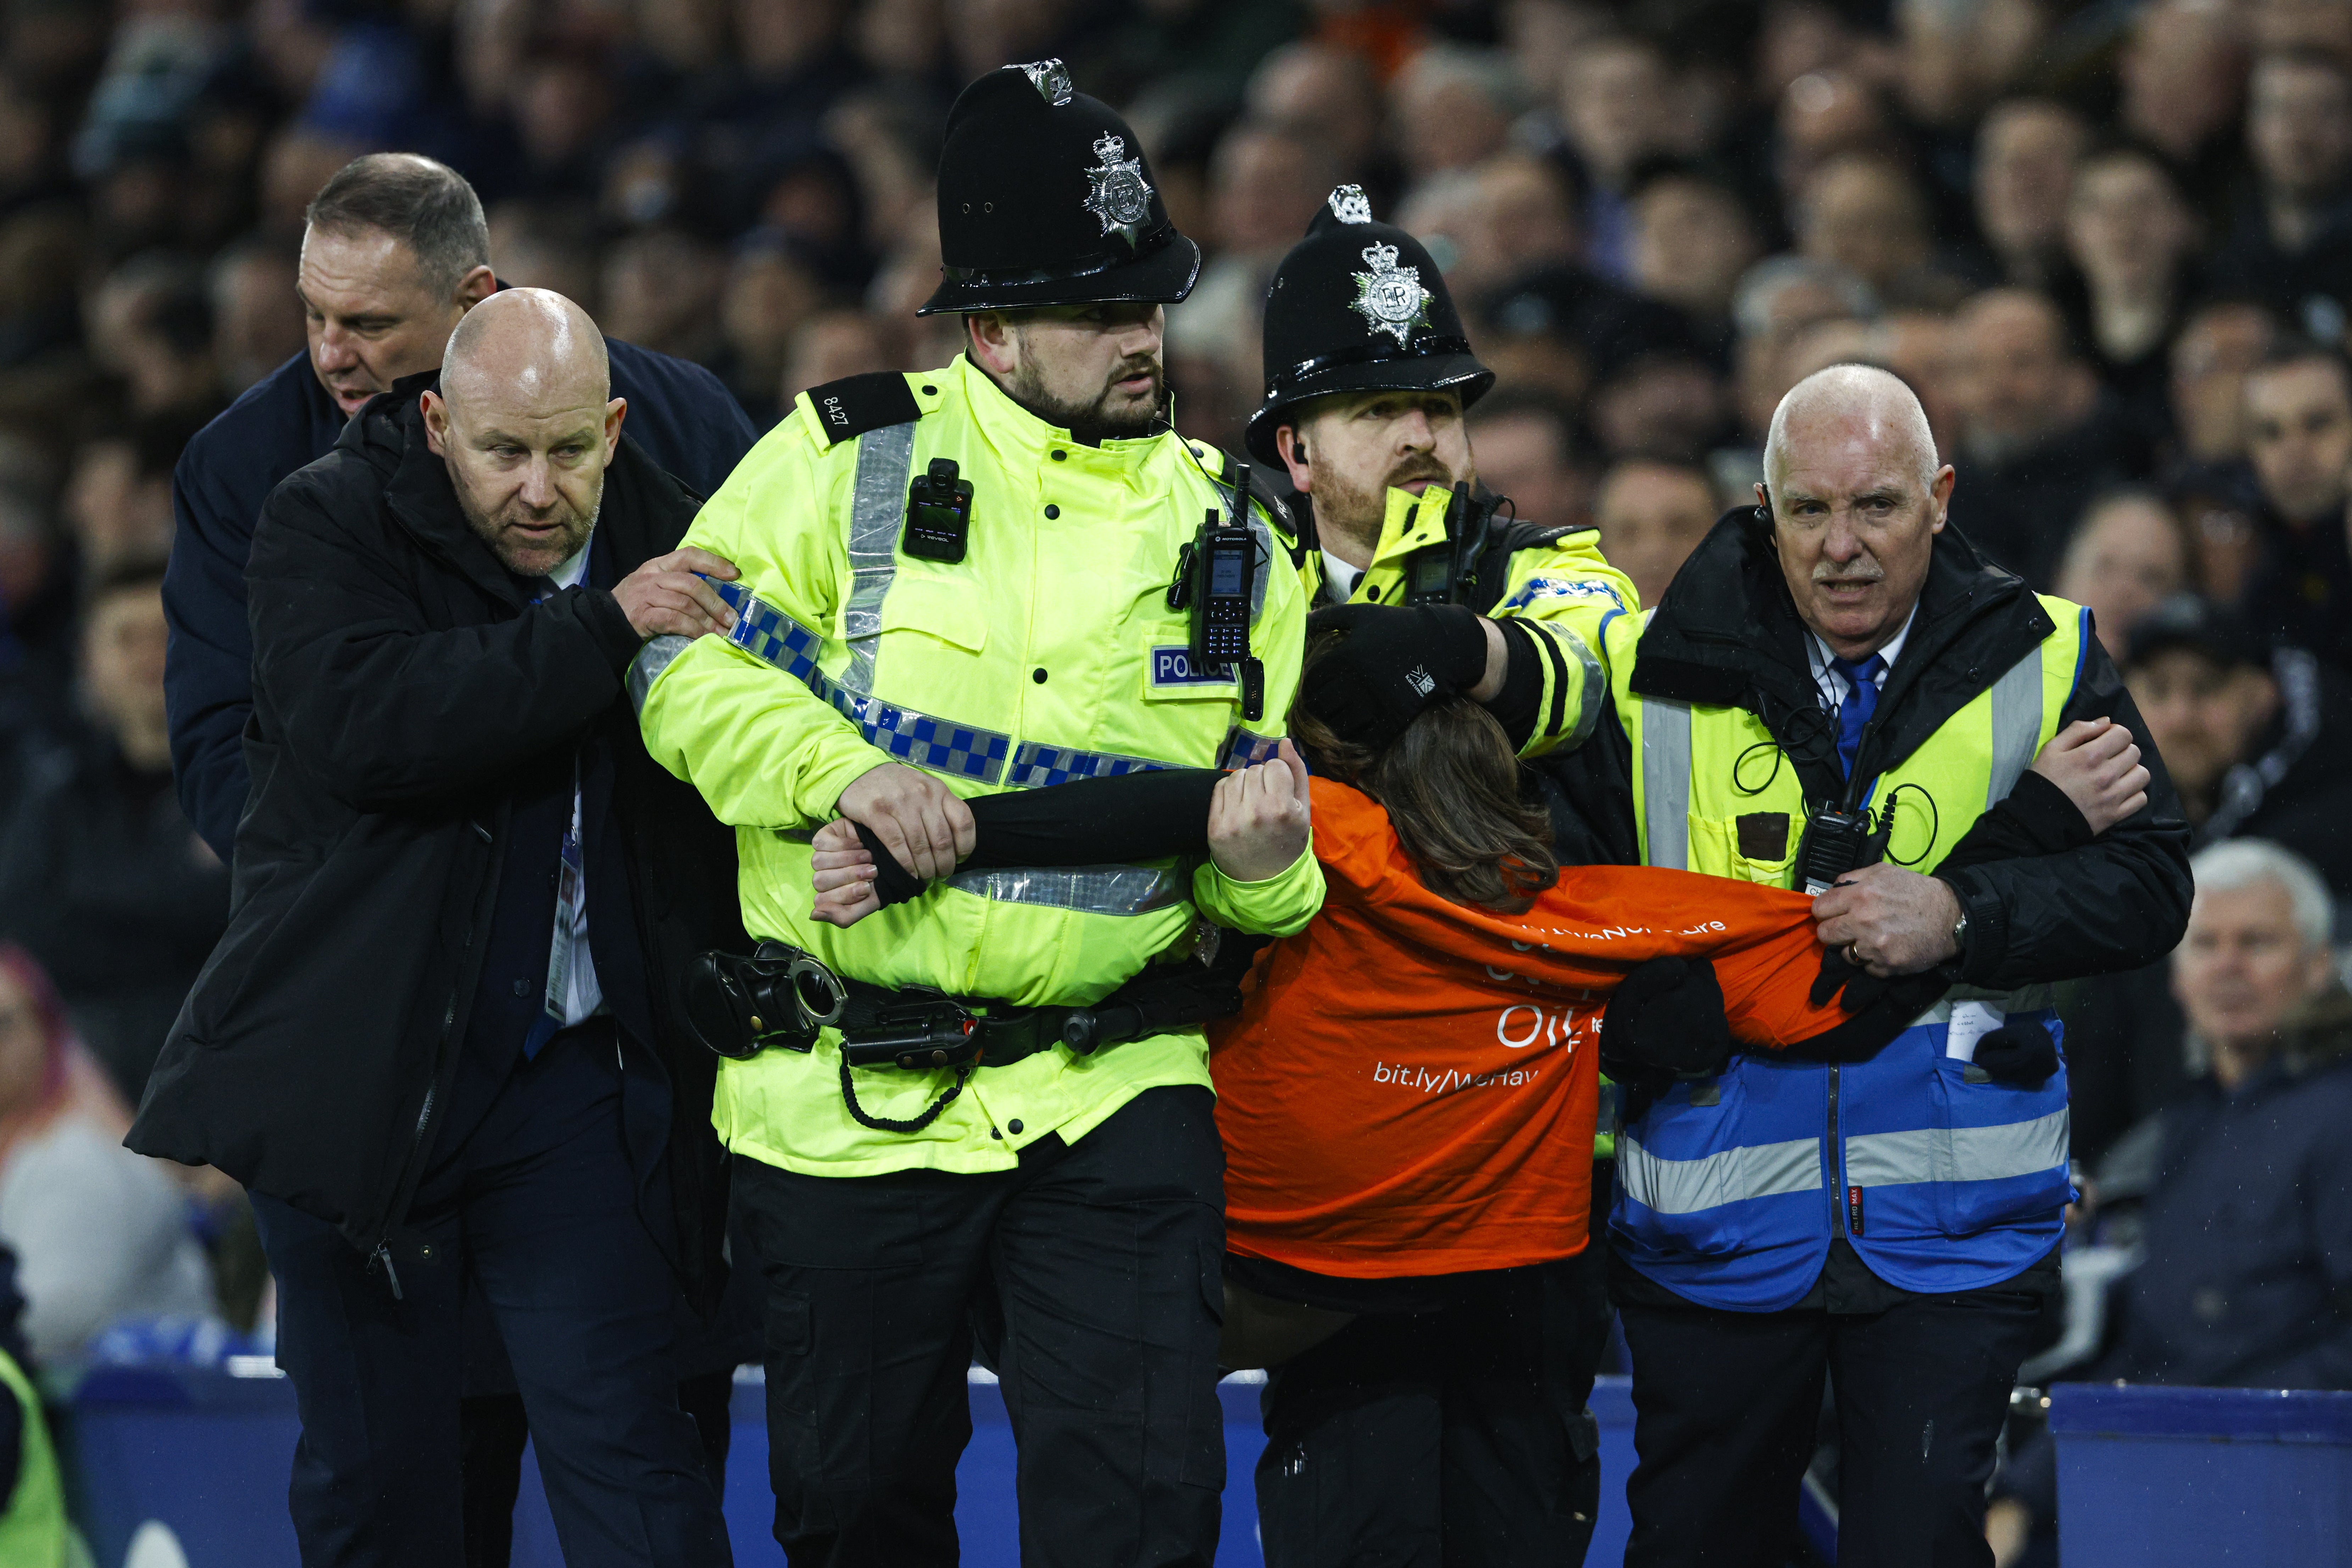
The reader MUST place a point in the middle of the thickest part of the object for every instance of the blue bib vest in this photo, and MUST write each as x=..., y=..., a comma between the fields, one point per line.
x=1730, y=1191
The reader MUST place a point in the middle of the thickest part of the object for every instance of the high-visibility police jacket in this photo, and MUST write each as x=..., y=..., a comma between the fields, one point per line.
x=1729, y=1192
x=34, y=1529
x=1555, y=584
x=1049, y=652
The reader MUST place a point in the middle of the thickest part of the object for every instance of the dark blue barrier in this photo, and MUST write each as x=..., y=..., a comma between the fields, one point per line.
x=2167, y=1477
x=204, y=1454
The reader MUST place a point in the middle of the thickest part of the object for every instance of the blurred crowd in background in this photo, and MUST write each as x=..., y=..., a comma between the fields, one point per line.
x=2108, y=241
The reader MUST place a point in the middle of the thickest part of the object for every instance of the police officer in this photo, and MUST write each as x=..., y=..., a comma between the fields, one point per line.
x=963, y=580
x=1439, y=588
x=1368, y=372
x=1892, y=1221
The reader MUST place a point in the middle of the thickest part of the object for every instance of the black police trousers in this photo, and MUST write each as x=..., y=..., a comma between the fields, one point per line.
x=535, y=1206
x=1095, y=1268
x=1451, y=1439
x=1728, y=1405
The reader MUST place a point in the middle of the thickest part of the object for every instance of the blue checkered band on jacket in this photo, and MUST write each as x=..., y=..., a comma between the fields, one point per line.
x=1036, y=766
x=1244, y=749
x=941, y=745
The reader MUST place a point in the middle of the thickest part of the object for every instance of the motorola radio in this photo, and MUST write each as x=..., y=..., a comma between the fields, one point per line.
x=1216, y=577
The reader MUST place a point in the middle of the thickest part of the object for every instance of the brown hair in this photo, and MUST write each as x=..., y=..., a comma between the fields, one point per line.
x=1450, y=784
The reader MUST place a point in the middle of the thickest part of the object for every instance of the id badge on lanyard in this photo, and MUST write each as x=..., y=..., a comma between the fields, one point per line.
x=571, y=912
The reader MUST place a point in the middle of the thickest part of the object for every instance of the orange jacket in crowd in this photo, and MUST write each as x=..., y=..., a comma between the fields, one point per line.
x=1409, y=1089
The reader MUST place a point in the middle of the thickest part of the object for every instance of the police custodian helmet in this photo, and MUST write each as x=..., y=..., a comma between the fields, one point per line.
x=1358, y=306
x=1045, y=198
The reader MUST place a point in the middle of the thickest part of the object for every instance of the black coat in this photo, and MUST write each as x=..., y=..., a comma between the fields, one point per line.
x=1725, y=634
x=679, y=415
x=400, y=681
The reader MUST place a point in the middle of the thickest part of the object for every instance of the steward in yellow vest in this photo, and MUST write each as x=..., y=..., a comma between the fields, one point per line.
x=996, y=576
x=1836, y=651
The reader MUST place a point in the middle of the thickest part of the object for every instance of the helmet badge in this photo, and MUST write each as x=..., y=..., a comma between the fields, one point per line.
x=1051, y=79
x=1121, y=196
x=1349, y=204
x=1390, y=297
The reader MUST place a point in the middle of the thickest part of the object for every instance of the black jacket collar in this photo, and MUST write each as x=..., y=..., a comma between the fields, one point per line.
x=1726, y=635
x=388, y=434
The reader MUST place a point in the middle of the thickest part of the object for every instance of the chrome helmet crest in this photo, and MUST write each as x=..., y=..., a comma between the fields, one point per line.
x=1390, y=298
x=1121, y=197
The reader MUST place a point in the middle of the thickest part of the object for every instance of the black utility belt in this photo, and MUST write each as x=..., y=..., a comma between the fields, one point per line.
x=780, y=997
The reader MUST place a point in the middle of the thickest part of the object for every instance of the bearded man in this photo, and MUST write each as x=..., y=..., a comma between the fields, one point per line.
x=438, y=1043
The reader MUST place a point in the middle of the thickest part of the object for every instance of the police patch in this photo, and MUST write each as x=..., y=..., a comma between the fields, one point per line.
x=1173, y=667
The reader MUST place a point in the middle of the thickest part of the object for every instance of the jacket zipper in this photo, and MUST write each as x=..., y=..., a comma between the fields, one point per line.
x=382, y=1256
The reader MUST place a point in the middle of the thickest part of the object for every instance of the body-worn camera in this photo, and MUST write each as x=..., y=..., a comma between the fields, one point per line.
x=938, y=513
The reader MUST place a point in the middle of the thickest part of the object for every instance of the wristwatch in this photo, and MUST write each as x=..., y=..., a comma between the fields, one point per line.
x=1960, y=932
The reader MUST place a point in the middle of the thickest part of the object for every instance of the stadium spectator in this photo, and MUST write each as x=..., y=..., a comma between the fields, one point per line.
x=1519, y=217
x=1777, y=301
x=1822, y=114
x=2293, y=240
x=1653, y=513
x=2243, y=1181
x=2127, y=555
x=2182, y=72
x=2025, y=155
x=1527, y=450
x=99, y=1232
x=257, y=315
x=1861, y=212
x=2259, y=740
x=769, y=293
x=2212, y=353
x=1615, y=107
x=1693, y=239
x=102, y=878
x=2131, y=236
x=2298, y=403
x=2036, y=440
x=1265, y=182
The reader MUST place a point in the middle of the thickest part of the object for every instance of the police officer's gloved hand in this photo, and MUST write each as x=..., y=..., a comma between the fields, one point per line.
x=1395, y=662
x=1665, y=1021
x=2020, y=1053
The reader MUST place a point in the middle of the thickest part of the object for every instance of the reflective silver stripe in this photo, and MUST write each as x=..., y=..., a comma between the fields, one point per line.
x=1690, y=1186
x=648, y=666
x=1596, y=690
x=1957, y=1153
x=1091, y=890
x=877, y=505
x=2016, y=725
x=1665, y=780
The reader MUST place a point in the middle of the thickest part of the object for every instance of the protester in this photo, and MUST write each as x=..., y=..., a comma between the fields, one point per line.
x=443, y=609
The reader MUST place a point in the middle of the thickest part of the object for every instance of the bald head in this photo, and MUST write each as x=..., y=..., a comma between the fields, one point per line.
x=1856, y=499
x=526, y=422
x=523, y=346
x=1858, y=401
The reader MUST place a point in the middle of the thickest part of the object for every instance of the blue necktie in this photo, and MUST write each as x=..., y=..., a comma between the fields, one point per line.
x=1861, y=678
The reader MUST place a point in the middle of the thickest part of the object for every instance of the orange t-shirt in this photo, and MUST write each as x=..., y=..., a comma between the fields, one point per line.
x=1410, y=1087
